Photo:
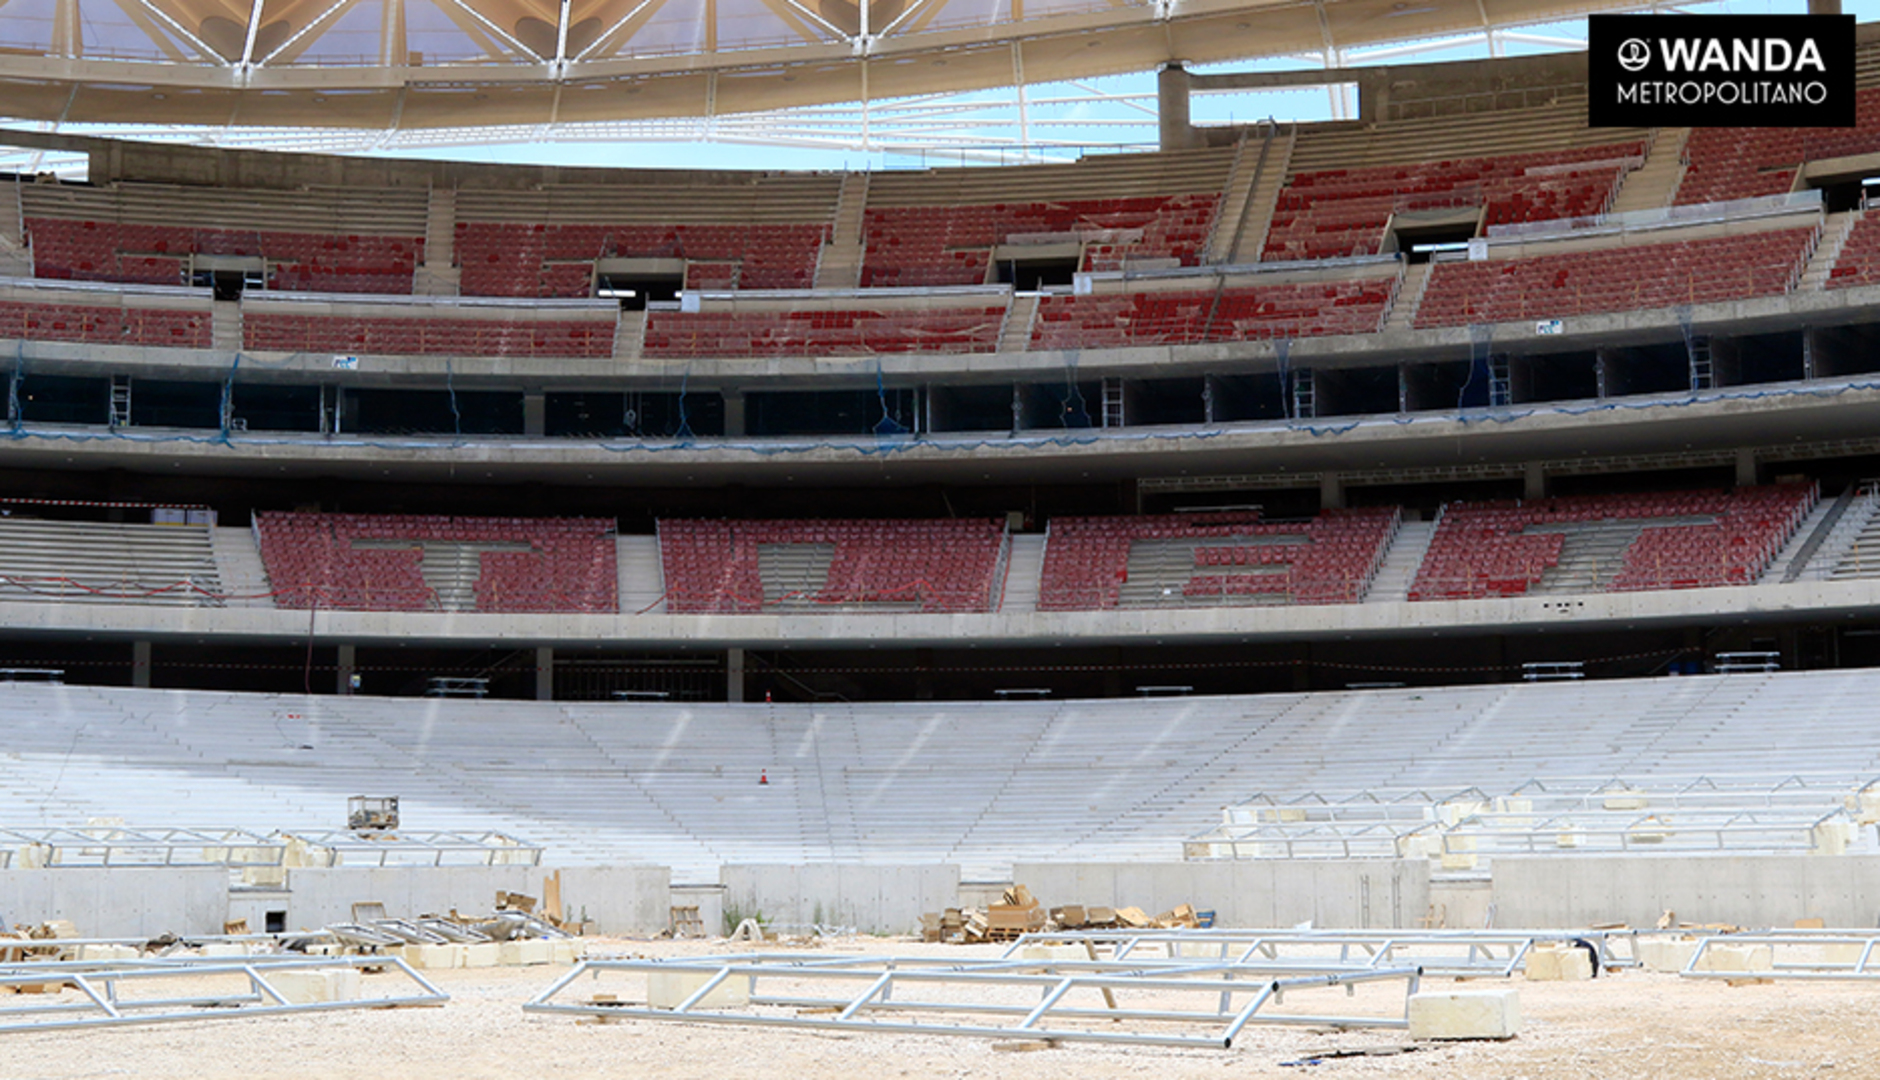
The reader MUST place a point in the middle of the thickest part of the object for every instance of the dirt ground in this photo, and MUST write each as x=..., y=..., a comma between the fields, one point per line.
x=1629, y=1024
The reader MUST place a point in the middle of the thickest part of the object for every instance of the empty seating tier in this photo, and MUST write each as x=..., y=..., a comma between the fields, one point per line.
x=1340, y=212
x=1621, y=543
x=750, y=566
x=510, y=259
x=320, y=240
x=1859, y=261
x=1307, y=309
x=396, y=562
x=99, y=325
x=952, y=245
x=271, y=332
x=1741, y=163
x=1634, y=276
x=1211, y=559
x=161, y=255
x=821, y=332
x=97, y=562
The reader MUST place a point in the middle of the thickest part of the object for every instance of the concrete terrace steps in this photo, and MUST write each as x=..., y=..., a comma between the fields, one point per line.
x=238, y=566
x=1654, y=184
x=98, y=562
x=323, y=211
x=1501, y=133
x=1110, y=176
x=981, y=783
x=1023, y=571
x=1401, y=561
x=1403, y=310
x=642, y=586
x=1250, y=234
x=1834, y=232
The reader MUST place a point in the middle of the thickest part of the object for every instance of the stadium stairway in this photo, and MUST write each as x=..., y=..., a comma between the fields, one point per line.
x=1403, y=308
x=981, y=783
x=238, y=566
x=1853, y=550
x=1024, y=569
x=1401, y=559
x=839, y=266
x=1834, y=233
x=1653, y=185
x=1806, y=541
x=642, y=578
x=15, y=259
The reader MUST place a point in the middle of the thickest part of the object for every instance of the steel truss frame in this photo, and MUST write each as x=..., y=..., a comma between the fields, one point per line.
x=104, y=1006
x=1462, y=953
x=1839, y=955
x=1242, y=994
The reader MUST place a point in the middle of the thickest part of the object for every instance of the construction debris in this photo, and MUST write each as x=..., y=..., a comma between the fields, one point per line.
x=1018, y=912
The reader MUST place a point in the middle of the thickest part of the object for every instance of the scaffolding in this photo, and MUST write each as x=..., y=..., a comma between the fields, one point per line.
x=1049, y=999
x=111, y=993
x=1819, y=955
x=1457, y=953
x=239, y=849
x=1706, y=814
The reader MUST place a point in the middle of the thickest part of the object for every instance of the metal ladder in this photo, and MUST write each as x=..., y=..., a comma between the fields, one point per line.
x=1500, y=385
x=1304, y=394
x=120, y=401
x=1702, y=375
x=1112, y=403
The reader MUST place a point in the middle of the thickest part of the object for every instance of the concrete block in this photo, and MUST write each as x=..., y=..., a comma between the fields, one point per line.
x=1665, y=954
x=107, y=952
x=274, y=877
x=482, y=954
x=525, y=953
x=433, y=957
x=224, y=949
x=1558, y=963
x=317, y=985
x=1465, y=1014
x=1720, y=957
x=566, y=950
x=669, y=989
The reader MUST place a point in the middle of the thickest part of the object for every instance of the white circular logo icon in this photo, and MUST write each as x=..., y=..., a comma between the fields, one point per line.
x=1634, y=54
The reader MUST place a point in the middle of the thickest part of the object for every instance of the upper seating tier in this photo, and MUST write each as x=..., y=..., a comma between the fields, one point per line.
x=1340, y=212
x=1741, y=163
x=823, y=332
x=410, y=336
x=510, y=259
x=1672, y=540
x=91, y=250
x=1630, y=277
x=750, y=566
x=952, y=245
x=380, y=562
x=1293, y=310
x=1327, y=560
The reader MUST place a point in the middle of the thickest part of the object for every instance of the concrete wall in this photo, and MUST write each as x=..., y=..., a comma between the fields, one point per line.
x=119, y=901
x=1344, y=894
x=1748, y=890
x=873, y=899
x=619, y=900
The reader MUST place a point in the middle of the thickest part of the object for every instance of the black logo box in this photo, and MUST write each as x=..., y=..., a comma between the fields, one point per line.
x=1630, y=86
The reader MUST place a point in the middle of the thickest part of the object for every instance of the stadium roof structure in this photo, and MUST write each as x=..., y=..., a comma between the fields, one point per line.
x=427, y=64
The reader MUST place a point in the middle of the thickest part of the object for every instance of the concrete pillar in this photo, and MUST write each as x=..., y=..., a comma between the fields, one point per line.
x=140, y=663
x=734, y=413
x=734, y=675
x=544, y=673
x=1745, y=467
x=1533, y=481
x=1171, y=86
x=535, y=413
x=1331, y=491
x=348, y=667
